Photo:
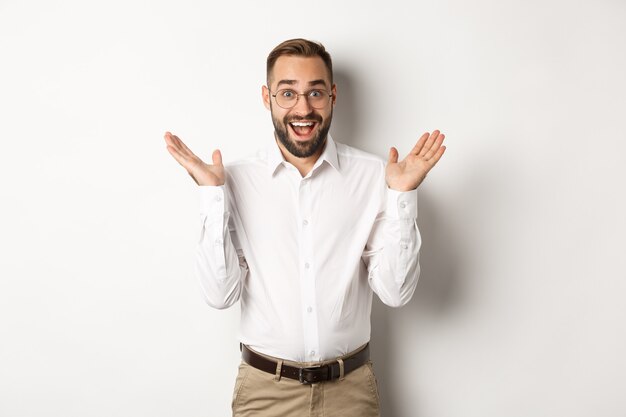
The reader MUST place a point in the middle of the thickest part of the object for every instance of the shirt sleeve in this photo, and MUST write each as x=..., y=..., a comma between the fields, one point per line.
x=220, y=264
x=392, y=250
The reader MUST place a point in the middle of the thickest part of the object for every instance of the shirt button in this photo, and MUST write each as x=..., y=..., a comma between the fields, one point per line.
x=404, y=246
x=306, y=265
x=309, y=309
x=305, y=222
x=218, y=198
x=312, y=353
x=218, y=242
x=403, y=204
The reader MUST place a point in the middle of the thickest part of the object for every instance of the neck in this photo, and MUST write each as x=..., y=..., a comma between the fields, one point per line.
x=303, y=165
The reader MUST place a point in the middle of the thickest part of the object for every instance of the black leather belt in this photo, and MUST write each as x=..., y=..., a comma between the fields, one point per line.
x=307, y=375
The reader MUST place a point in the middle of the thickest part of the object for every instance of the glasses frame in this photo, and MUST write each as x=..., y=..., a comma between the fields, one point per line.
x=306, y=94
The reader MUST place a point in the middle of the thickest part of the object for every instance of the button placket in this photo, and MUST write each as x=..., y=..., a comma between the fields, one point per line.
x=308, y=292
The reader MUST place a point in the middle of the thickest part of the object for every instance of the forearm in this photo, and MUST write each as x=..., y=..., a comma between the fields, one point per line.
x=220, y=269
x=395, y=243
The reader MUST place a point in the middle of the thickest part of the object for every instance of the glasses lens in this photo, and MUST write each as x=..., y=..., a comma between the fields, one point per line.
x=286, y=98
x=318, y=98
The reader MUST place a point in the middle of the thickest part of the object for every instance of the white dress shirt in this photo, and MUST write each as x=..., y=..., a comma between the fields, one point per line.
x=303, y=254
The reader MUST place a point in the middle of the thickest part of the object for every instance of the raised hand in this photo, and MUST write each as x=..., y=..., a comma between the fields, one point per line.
x=201, y=172
x=409, y=173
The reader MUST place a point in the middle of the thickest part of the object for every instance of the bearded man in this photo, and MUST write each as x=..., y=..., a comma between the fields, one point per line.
x=302, y=234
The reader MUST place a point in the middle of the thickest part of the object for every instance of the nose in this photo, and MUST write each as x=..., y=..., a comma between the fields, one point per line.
x=302, y=105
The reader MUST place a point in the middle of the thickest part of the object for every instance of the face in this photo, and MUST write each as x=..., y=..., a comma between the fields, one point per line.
x=302, y=130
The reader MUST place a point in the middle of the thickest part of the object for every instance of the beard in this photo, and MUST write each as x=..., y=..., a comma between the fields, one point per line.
x=301, y=149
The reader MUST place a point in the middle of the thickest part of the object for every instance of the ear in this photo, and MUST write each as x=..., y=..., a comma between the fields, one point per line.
x=333, y=91
x=266, y=97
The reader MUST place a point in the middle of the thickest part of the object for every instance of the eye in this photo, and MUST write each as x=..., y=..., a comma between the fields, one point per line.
x=287, y=94
x=315, y=93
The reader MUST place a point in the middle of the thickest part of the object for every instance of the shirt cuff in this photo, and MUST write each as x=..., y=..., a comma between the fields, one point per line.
x=401, y=204
x=211, y=199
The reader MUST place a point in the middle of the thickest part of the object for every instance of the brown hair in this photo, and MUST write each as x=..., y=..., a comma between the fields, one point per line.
x=299, y=47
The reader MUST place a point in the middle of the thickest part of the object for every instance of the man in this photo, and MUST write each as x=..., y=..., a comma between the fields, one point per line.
x=302, y=233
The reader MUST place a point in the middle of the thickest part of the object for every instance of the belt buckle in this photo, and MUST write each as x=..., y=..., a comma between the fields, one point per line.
x=301, y=378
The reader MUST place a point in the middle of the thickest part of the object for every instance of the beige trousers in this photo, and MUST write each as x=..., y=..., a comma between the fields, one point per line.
x=260, y=394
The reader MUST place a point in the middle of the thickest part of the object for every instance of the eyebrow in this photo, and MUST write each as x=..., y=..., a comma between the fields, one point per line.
x=293, y=82
x=315, y=82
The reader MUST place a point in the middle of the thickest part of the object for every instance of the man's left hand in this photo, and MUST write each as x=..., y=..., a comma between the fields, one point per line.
x=409, y=173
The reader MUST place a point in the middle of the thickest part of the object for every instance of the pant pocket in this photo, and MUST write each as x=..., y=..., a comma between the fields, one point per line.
x=242, y=375
x=373, y=381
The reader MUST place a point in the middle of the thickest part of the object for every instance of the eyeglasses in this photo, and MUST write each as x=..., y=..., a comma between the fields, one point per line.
x=287, y=99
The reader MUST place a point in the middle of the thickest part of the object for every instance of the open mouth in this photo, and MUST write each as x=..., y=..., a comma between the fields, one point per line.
x=303, y=129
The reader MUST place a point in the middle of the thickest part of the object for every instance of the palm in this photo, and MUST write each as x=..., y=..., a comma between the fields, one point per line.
x=409, y=173
x=201, y=172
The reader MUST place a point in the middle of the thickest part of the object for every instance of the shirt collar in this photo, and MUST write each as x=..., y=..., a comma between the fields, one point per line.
x=275, y=157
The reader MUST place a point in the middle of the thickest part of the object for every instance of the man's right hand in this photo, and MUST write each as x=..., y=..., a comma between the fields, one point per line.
x=202, y=173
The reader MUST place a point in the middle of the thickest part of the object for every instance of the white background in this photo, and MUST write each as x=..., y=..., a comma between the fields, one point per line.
x=519, y=310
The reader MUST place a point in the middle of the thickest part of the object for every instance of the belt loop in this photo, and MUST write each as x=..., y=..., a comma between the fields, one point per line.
x=279, y=366
x=341, y=371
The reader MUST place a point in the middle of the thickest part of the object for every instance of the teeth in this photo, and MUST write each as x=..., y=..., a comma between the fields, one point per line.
x=302, y=123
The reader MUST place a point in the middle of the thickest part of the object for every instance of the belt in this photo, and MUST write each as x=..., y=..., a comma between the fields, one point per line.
x=307, y=375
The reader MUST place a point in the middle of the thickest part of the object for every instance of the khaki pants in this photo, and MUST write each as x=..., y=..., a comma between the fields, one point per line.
x=260, y=394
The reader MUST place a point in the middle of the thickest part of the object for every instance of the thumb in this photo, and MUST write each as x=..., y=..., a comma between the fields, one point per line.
x=217, y=157
x=393, y=155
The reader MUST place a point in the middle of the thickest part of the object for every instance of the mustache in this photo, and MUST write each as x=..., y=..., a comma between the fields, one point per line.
x=311, y=116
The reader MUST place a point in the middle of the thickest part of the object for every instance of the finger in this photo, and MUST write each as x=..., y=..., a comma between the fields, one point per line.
x=437, y=156
x=429, y=143
x=171, y=141
x=435, y=147
x=177, y=156
x=393, y=155
x=168, y=138
x=217, y=157
x=184, y=147
x=181, y=147
x=420, y=143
